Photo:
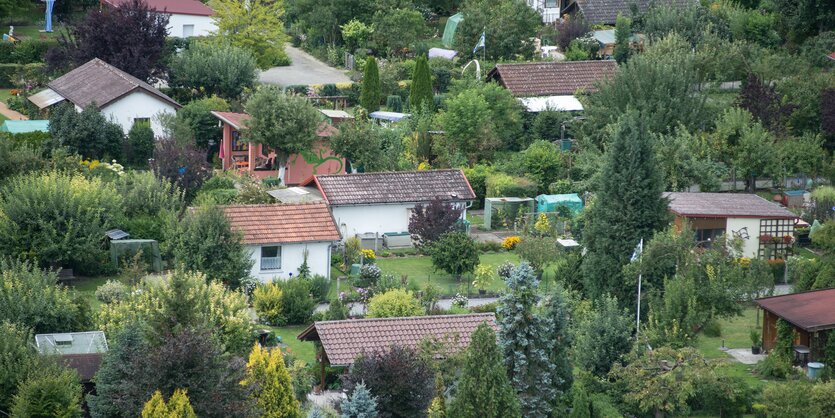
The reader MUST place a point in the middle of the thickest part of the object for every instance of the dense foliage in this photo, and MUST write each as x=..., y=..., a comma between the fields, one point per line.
x=454, y=253
x=88, y=132
x=429, y=221
x=214, y=69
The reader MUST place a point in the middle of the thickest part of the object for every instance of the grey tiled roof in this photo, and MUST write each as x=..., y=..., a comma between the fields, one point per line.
x=725, y=205
x=344, y=341
x=394, y=187
x=606, y=11
x=532, y=79
x=101, y=83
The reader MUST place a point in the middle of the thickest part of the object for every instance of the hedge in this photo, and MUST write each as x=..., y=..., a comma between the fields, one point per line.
x=503, y=185
x=8, y=72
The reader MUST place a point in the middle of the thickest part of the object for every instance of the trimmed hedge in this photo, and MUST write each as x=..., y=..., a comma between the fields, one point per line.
x=503, y=185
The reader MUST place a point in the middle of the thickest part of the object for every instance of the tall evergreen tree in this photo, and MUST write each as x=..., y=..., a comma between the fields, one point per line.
x=556, y=311
x=623, y=30
x=526, y=342
x=420, y=93
x=628, y=207
x=370, y=92
x=484, y=389
x=273, y=394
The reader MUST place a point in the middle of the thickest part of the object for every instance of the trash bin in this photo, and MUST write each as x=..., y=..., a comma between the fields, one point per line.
x=813, y=370
x=355, y=269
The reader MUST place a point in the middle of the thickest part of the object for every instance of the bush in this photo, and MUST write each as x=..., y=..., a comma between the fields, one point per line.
x=369, y=275
x=399, y=378
x=12, y=74
x=394, y=303
x=266, y=299
x=30, y=51
x=394, y=103
x=774, y=366
x=143, y=193
x=455, y=253
x=140, y=144
x=477, y=176
x=510, y=243
x=337, y=310
x=112, y=291
x=319, y=287
x=428, y=222
x=89, y=133
x=58, y=219
x=213, y=69
x=712, y=329
x=49, y=393
x=503, y=185
x=787, y=400
x=489, y=246
x=297, y=302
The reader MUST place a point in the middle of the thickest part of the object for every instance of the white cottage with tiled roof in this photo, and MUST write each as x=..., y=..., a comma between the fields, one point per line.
x=277, y=237
x=766, y=229
x=381, y=203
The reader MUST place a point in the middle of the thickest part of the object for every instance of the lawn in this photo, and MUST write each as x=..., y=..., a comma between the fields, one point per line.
x=5, y=94
x=735, y=334
x=34, y=31
x=302, y=350
x=87, y=286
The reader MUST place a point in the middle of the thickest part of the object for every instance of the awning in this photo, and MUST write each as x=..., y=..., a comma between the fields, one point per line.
x=45, y=98
x=557, y=103
x=389, y=116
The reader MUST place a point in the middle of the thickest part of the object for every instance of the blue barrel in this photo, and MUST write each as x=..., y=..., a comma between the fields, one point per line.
x=813, y=370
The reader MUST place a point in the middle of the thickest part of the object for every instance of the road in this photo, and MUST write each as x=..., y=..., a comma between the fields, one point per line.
x=305, y=69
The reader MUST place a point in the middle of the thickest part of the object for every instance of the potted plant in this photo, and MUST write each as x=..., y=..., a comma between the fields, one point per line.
x=482, y=277
x=755, y=341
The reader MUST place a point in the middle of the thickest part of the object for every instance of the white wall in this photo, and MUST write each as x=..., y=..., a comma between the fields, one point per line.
x=360, y=219
x=138, y=105
x=203, y=25
x=750, y=246
x=292, y=257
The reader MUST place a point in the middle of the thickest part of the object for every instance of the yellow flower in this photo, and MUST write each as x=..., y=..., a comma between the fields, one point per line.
x=369, y=254
x=509, y=243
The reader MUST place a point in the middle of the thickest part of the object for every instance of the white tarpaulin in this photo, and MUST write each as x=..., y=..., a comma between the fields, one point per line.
x=557, y=103
x=442, y=53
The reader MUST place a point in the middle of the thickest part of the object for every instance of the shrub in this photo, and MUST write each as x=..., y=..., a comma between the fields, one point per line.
x=509, y=243
x=58, y=219
x=431, y=220
x=712, y=329
x=399, y=377
x=52, y=393
x=483, y=276
x=489, y=246
x=505, y=269
x=112, y=291
x=503, y=185
x=210, y=69
x=787, y=400
x=319, y=287
x=455, y=253
x=394, y=303
x=394, y=103
x=297, y=302
x=360, y=404
x=337, y=310
x=143, y=193
x=368, y=256
x=774, y=366
x=88, y=133
x=140, y=144
x=369, y=275
x=266, y=299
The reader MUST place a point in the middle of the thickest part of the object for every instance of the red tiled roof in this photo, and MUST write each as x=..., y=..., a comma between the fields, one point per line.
x=553, y=78
x=237, y=120
x=811, y=311
x=725, y=205
x=283, y=223
x=394, y=187
x=606, y=11
x=183, y=7
x=343, y=341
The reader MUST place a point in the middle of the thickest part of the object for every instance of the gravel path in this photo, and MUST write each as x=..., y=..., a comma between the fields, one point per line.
x=11, y=114
x=305, y=69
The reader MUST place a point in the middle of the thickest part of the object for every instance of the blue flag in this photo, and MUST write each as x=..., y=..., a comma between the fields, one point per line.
x=480, y=43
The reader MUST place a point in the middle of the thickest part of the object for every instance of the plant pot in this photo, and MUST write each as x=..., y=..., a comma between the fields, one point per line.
x=755, y=350
x=482, y=292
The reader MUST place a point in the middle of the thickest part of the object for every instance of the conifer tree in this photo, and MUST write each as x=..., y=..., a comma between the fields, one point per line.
x=580, y=406
x=273, y=387
x=623, y=31
x=526, y=343
x=420, y=94
x=178, y=406
x=484, y=389
x=370, y=92
x=155, y=407
x=628, y=206
x=361, y=404
x=437, y=409
x=556, y=312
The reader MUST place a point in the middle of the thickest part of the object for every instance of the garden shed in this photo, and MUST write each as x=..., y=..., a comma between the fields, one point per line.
x=126, y=248
x=551, y=202
x=506, y=208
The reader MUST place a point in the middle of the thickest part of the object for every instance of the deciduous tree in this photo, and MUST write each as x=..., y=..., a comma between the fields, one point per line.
x=284, y=123
x=454, y=253
x=130, y=37
x=88, y=133
x=602, y=337
x=429, y=221
x=508, y=27
x=256, y=26
x=214, y=69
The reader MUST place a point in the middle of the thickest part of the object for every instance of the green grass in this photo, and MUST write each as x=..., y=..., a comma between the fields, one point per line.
x=33, y=31
x=5, y=94
x=87, y=287
x=302, y=350
x=806, y=253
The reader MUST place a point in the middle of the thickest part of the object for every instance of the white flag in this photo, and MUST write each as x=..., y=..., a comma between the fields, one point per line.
x=480, y=43
x=638, y=250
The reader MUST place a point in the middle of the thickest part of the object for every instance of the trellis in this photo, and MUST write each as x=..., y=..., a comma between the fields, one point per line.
x=776, y=238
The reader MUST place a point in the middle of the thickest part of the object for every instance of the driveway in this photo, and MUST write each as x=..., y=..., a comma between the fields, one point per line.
x=305, y=70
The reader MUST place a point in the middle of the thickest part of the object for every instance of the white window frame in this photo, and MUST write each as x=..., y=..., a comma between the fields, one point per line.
x=270, y=263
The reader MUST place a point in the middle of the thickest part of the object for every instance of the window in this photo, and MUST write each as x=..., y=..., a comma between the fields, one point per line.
x=551, y=3
x=144, y=121
x=271, y=258
x=188, y=31
x=706, y=237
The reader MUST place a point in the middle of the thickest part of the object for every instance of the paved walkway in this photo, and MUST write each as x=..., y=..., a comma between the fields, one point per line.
x=305, y=69
x=11, y=114
x=744, y=356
